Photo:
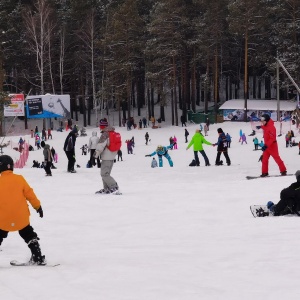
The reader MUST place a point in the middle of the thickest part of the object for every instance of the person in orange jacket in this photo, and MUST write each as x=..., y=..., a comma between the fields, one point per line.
x=14, y=211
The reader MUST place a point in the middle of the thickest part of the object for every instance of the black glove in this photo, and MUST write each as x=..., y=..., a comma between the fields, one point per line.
x=147, y=155
x=40, y=211
x=263, y=148
x=258, y=127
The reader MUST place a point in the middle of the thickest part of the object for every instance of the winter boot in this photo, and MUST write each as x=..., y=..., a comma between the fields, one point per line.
x=36, y=258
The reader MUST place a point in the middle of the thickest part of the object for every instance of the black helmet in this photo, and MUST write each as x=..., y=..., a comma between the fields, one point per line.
x=6, y=163
x=265, y=117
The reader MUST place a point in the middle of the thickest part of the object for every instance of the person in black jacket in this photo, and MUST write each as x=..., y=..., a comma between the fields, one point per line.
x=289, y=202
x=69, y=148
x=222, y=148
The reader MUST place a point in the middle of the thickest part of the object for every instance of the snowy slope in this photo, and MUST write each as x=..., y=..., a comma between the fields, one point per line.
x=181, y=233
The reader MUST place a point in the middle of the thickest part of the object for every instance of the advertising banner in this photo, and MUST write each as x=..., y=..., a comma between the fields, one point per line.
x=48, y=106
x=15, y=107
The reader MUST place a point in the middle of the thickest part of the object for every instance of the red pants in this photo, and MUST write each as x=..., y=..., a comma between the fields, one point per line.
x=272, y=151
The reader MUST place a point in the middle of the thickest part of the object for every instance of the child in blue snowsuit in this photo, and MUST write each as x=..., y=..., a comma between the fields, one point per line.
x=162, y=151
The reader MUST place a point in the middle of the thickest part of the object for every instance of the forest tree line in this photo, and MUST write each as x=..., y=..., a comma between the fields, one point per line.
x=125, y=54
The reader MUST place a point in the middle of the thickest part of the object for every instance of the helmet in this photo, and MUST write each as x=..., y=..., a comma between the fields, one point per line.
x=159, y=148
x=265, y=117
x=6, y=163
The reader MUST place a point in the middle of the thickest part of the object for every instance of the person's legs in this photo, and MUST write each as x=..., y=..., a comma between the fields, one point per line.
x=227, y=158
x=168, y=157
x=274, y=153
x=218, y=158
x=3, y=235
x=31, y=239
x=107, y=179
x=205, y=157
x=196, y=158
x=265, y=162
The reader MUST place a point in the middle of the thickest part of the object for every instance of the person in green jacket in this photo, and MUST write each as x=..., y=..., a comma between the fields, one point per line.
x=197, y=141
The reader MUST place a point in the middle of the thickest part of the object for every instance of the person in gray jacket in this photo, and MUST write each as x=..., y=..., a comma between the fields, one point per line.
x=47, y=158
x=107, y=160
x=93, y=141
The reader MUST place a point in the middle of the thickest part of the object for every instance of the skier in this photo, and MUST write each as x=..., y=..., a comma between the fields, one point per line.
x=14, y=212
x=197, y=141
x=222, y=148
x=270, y=147
x=289, y=202
x=162, y=151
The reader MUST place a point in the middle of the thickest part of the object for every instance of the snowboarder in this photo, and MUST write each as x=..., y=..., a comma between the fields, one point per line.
x=270, y=147
x=197, y=141
x=289, y=202
x=162, y=151
x=14, y=212
x=107, y=160
x=222, y=148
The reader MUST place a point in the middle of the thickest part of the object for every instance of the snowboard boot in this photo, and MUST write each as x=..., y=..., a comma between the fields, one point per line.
x=283, y=173
x=264, y=175
x=36, y=258
x=102, y=191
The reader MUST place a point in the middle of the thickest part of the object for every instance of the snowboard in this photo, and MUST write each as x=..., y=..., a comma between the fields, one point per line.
x=256, y=177
x=16, y=263
x=260, y=211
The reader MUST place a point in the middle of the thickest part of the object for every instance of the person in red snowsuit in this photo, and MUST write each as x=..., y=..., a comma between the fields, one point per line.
x=271, y=147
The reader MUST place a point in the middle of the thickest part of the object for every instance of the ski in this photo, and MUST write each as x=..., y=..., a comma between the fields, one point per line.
x=256, y=177
x=16, y=263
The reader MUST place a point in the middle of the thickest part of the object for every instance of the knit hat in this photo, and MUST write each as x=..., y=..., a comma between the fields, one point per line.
x=298, y=175
x=75, y=130
x=42, y=144
x=265, y=117
x=103, y=123
x=220, y=130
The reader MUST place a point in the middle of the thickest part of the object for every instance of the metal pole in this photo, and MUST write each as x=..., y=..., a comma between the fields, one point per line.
x=277, y=91
x=288, y=75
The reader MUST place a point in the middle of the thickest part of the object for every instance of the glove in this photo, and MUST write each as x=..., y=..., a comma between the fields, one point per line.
x=258, y=127
x=147, y=155
x=263, y=148
x=40, y=211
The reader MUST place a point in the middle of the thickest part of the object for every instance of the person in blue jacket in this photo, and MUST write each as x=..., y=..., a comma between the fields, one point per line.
x=162, y=151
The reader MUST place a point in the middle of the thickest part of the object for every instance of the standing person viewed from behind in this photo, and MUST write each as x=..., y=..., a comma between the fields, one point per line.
x=69, y=148
x=47, y=158
x=107, y=159
x=14, y=211
x=270, y=147
x=93, y=142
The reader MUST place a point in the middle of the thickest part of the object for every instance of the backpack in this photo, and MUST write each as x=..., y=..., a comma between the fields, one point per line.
x=115, y=141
